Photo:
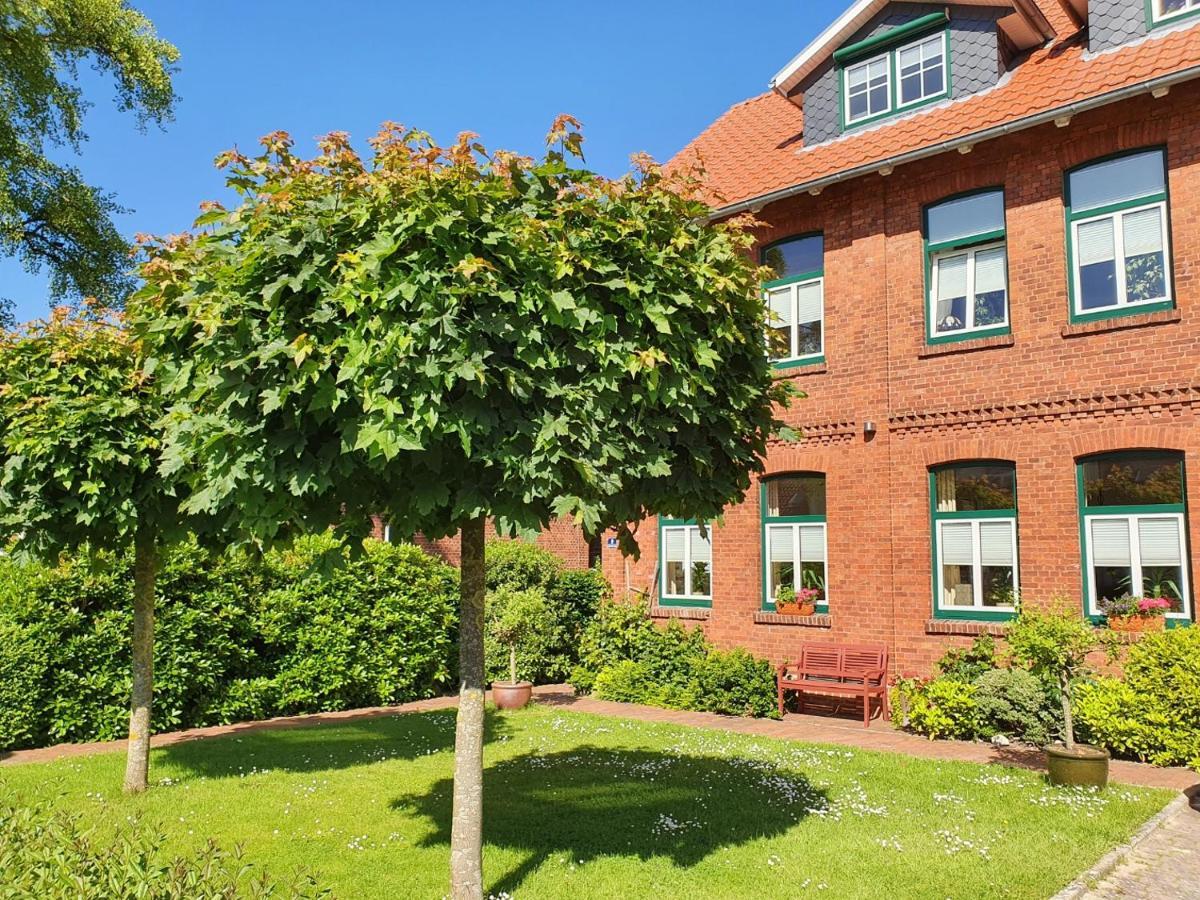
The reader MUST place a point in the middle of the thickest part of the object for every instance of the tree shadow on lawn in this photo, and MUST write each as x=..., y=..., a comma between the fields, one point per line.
x=336, y=745
x=592, y=802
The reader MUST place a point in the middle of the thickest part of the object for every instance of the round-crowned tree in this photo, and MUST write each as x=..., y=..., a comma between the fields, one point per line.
x=79, y=466
x=441, y=336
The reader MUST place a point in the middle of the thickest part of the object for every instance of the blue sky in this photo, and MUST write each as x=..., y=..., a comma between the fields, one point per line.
x=640, y=75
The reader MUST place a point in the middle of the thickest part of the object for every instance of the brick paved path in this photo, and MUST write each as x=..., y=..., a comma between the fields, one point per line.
x=1165, y=866
x=829, y=729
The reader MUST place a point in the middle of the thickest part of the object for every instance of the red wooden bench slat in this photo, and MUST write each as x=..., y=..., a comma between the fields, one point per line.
x=859, y=669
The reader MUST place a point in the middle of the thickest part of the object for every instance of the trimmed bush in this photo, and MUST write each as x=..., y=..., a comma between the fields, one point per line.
x=938, y=707
x=625, y=657
x=524, y=618
x=1154, y=713
x=235, y=639
x=1015, y=703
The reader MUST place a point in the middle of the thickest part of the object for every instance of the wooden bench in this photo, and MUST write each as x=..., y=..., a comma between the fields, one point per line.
x=857, y=669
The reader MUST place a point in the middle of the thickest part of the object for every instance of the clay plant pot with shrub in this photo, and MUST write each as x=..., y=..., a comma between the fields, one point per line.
x=516, y=616
x=1054, y=643
x=1136, y=613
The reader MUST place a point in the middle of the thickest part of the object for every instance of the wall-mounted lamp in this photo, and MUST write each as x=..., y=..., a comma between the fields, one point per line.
x=868, y=429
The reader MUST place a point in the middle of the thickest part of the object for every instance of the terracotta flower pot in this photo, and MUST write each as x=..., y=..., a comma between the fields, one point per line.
x=511, y=694
x=806, y=609
x=1082, y=766
x=787, y=609
x=1137, y=623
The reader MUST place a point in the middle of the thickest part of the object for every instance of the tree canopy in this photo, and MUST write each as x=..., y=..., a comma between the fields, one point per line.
x=49, y=215
x=443, y=333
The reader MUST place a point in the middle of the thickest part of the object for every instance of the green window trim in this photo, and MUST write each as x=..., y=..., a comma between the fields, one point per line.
x=1153, y=20
x=891, y=49
x=890, y=38
x=1073, y=219
x=765, y=521
x=972, y=613
x=1087, y=513
x=813, y=275
x=703, y=601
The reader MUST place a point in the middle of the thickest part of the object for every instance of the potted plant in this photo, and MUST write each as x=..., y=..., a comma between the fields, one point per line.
x=515, y=617
x=806, y=599
x=785, y=601
x=1055, y=643
x=1128, y=613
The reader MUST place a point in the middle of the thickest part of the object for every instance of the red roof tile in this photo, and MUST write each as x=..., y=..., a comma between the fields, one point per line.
x=756, y=147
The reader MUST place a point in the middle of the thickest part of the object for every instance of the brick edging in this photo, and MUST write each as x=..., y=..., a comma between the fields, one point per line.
x=821, y=620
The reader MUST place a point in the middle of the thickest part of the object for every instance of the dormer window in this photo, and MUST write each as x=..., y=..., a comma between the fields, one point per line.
x=1168, y=10
x=894, y=70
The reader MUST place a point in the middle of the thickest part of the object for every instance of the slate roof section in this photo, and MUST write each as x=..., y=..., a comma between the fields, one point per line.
x=756, y=147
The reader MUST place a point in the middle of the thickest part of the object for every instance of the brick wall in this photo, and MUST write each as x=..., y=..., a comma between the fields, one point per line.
x=562, y=538
x=1039, y=398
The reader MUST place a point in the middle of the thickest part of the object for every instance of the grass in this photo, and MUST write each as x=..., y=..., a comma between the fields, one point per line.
x=584, y=806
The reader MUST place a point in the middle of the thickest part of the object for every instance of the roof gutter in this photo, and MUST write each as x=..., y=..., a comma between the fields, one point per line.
x=1058, y=112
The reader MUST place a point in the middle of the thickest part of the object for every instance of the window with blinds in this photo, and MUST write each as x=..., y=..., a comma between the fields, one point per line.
x=1168, y=10
x=686, y=564
x=796, y=300
x=1117, y=230
x=1135, y=529
x=974, y=539
x=967, y=262
x=794, y=537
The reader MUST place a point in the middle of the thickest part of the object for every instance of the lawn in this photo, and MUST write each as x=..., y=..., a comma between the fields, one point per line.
x=584, y=806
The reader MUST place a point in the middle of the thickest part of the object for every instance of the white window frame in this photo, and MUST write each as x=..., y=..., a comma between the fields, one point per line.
x=687, y=564
x=793, y=289
x=1190, y=6
x=888, y=72
x=797, y=563
x=970, y=252
x=976, y=566
x=1118, y=220
x=1135, y=559
x=901, y=103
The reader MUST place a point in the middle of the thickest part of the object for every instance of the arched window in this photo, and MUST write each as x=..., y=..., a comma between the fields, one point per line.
x=1133, y=527
x=795, y=298
x=686, y=563
x=967, y=267
x=794, y=537
x=974, y=508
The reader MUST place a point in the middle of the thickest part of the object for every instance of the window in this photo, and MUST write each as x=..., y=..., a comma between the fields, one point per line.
x=686, y=556
x=794, y=536
x=1134, y=529
x=909, y=75
x=1169, y=10
x=966, y=261
x=796, y=300
x=1117, y=234
x=974, y=539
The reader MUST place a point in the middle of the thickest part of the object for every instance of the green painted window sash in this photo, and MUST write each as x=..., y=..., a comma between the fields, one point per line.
x=1155, y=21
x=894, y=108
x=768, y=602
x=792, y=279
x=966, y=243
x=671, y=600
x=974, y=613
x=1072, y=215
x=815, y=359
x=889, y=39
x=797, y=363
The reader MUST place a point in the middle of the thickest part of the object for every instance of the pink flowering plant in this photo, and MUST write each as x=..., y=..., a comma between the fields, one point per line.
x=1128, y=606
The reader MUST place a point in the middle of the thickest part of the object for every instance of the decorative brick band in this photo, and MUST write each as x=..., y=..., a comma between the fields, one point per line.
x=680, y=612
x=1139, y=321
x=822, y=433
x=1164, y=398
x=998, y=340
x=965, y=626
x=823, y=620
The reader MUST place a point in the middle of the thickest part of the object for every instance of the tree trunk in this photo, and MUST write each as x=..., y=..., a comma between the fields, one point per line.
x=1064, y=683
x=466, y=833
x=512, y=663
x=145, y=564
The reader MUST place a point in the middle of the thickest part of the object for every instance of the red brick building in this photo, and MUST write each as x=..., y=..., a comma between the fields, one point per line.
x=984, y=223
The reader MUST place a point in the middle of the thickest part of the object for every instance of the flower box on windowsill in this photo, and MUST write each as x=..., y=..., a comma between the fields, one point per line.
x=1137, y=623
x=770, y=617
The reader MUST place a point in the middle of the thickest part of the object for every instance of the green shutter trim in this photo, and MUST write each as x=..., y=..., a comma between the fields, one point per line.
x=891, y=37
x=663, y=600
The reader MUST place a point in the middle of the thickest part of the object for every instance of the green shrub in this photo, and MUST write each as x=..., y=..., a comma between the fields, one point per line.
x=48, y=854
x=938, y=707
x=625, y=657
x=305, y=630
x=970, y=663
x=522, y=619
x=1018, y=705
x=1154, y=713
x=519, y=564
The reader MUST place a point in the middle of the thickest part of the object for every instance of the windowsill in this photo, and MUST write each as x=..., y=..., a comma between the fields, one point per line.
x=970, y=627
x=820, y=620
x=1140, y=320
x=966, y=346
x=790, y=371
x=680, y=612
